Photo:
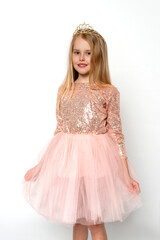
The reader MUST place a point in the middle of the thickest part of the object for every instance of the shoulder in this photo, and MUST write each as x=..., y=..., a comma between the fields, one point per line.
x=111, y=90
x=115, y=90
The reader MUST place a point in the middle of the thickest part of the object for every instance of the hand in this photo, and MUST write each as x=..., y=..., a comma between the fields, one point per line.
x=30, y=173
x=134, y=186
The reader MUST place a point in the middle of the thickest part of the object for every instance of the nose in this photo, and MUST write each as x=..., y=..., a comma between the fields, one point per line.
x=81, y=56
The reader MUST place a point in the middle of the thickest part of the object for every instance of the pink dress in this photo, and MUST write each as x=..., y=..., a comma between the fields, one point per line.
x=81, y=176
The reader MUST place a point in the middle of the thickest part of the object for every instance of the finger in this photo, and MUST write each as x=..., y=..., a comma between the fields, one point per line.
x=131, y=188
x=28, y=176
x=137, y=187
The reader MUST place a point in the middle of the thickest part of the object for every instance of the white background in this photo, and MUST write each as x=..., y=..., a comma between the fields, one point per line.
x=34, y=45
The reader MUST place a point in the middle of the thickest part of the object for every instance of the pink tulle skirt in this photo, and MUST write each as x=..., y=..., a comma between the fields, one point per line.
x=80, y=178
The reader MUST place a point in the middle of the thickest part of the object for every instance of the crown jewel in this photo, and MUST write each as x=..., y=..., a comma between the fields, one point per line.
x=86, y=28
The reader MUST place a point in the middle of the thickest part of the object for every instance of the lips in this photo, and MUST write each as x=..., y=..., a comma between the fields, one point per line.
x=82, y=65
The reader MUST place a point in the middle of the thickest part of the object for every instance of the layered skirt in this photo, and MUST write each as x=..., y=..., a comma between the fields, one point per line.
x=80, y=178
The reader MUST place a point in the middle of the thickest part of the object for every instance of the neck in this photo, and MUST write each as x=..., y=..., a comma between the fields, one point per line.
x=83, y=79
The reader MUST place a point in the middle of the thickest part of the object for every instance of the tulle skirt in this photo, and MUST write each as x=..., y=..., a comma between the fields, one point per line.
x=80, y=178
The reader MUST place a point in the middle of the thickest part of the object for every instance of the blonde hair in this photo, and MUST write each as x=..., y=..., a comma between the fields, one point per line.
x=99, y=69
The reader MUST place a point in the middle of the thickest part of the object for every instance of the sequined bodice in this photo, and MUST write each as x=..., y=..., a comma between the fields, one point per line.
x=85, y=112
x=91, y=111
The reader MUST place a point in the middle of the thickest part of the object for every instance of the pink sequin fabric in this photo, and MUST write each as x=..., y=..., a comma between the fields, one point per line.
x=91, y=111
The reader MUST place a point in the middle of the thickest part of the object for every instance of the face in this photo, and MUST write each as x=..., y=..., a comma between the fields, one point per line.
x=81, y=56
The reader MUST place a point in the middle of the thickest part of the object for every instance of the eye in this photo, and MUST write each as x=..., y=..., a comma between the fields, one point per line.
x=76, y=52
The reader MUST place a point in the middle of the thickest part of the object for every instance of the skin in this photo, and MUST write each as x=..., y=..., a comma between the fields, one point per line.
x=98, y=232
x=31, y=172
x=82, y=54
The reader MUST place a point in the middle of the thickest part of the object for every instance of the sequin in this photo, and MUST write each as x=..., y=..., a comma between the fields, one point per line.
x=92, y=112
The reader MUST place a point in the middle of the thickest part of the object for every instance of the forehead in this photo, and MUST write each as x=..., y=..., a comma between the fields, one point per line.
x=81, y=44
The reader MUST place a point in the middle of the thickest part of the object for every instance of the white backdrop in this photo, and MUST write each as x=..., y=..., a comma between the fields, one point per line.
x=34, y=44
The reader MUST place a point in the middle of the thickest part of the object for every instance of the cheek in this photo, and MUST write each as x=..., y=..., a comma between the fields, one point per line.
x=88, y=58
x=74, y=59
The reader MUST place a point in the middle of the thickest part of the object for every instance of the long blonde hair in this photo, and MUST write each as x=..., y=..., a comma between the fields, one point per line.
x=99, y=69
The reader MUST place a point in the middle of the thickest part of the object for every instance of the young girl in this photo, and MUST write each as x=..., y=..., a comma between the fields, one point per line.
x=83, y=178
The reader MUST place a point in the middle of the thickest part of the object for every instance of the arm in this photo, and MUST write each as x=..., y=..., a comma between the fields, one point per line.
x=115, y=126
x=59, y=119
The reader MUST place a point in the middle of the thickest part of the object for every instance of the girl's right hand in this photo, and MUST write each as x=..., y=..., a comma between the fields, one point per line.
x=30, y=173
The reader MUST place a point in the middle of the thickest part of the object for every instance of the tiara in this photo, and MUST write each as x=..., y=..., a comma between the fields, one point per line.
x=86, y=28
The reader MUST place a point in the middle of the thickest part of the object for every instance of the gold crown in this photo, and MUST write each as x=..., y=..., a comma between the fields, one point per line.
x=86, y=28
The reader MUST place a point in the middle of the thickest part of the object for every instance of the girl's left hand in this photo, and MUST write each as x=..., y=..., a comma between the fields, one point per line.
x=134, y=186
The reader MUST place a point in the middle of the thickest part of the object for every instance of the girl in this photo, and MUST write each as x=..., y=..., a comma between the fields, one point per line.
x=83, y=177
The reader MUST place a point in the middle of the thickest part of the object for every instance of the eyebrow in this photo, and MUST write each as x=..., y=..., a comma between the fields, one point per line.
x=78, y=49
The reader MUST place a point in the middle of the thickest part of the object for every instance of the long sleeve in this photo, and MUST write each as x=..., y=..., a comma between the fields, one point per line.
x=59, y=118
x=114, y=122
